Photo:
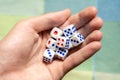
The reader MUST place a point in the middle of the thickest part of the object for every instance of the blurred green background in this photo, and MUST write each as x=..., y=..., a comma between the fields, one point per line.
x=102, y=66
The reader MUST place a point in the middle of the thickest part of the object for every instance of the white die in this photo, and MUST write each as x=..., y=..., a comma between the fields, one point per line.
x=56, y=32
x=61, y=53
x=48, y=55
x=77, y=39
x=64, y=42
x=68, y=44
x=61, y=41
x=69, y=31
x=51, y=44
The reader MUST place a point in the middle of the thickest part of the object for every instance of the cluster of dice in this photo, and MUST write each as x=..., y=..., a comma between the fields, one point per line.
x=60, y=42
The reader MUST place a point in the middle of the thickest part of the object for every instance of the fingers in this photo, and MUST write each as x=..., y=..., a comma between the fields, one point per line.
x=50, y=20
x=94, y=24
x=82, y=18
x=81, y=55
x=94, y=36
x=91, y=45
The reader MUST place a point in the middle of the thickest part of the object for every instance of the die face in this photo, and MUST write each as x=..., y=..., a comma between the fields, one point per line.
x=73, y=29
x=47, y=60
x=56, y=32
x=74, y=41
x=77, y=39
x=68, y=44
x=61, y=53
x=51, y=44
x=64, y=42
x=69, y=31
x=61, y=41
x=48, y=55
x=81, y=38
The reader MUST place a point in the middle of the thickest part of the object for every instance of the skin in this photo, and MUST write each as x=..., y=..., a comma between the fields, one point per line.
x=22, y=48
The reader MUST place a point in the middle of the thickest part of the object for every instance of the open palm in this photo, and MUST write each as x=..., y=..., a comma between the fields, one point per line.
x=21, y=50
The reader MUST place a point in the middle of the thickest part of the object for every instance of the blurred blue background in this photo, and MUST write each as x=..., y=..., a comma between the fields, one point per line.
x=102, y=66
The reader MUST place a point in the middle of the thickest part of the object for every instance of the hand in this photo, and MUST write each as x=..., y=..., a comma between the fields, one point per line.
x=21, y=50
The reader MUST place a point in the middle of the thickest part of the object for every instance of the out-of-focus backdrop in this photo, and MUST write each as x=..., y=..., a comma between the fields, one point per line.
x=105, y=65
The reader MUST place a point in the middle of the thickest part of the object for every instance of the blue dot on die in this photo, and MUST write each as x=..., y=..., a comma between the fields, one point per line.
x=63, y=54
x=78, y=35
x=68, y=29
x=81, y=39
x=56, y=46
x=48, y=50
x=53, y=44
x=74, y=31
x=60, y=52
x=67, y=40
x=65, y=31
x=74, y=40
x=67, y=35
x=50, y=55
x=64, y=50
x=72, y=27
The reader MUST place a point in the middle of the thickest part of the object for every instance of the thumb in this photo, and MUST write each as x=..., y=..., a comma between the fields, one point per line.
x=50, y=20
